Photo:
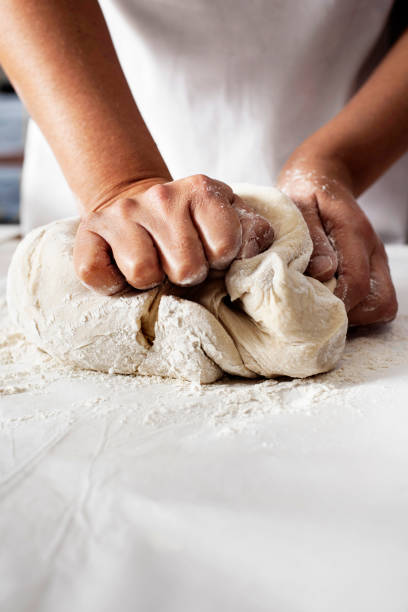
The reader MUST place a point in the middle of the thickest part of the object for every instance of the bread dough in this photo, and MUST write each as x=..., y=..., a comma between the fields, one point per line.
x=263, y=317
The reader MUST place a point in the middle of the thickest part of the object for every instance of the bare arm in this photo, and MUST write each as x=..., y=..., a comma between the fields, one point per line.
x=371, y=132
x=137, y=224
x=335, y=165
x=61, y=60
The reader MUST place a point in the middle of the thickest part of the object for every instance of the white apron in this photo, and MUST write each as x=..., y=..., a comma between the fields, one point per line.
x=230, y=87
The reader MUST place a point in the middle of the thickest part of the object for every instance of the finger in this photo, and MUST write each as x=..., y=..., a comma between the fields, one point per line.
x=178, y=244
x=218, y=225
x=380, y=305
x=353, y=273
x=181, y=251
x=257, y=232
x=94, y=264
x=323, y=262
x=135, y=254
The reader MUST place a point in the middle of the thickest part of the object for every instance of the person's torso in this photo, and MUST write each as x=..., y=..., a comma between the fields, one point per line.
x=229, y=87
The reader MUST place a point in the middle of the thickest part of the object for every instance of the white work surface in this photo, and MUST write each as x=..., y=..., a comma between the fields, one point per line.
x=127, y=494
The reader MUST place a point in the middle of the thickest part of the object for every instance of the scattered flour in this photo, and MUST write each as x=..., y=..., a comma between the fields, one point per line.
x=229, y=405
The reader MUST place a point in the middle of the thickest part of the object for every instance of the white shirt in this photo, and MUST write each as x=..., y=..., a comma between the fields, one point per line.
x=230, y=88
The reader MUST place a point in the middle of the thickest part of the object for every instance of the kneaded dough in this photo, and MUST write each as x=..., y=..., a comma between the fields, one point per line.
x=263, y=317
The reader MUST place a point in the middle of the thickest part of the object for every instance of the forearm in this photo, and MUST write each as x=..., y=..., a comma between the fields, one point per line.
x=371, y=132
x=61, y=60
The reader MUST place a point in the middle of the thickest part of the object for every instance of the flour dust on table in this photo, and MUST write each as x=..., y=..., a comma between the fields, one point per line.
x=35, y=387
x=263, y=317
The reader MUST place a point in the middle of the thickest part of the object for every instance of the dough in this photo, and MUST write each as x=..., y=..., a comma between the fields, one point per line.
x=264, y=317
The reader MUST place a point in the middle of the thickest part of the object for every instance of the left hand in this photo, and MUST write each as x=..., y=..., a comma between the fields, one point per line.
x=344, y=243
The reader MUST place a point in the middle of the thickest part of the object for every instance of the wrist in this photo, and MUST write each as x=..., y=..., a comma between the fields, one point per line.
x=127, y=187
x=312, y=166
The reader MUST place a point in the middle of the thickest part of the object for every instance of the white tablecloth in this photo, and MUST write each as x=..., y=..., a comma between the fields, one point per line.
x=126, y=494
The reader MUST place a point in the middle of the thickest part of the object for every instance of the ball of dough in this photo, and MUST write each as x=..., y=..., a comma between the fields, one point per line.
x=264, y=317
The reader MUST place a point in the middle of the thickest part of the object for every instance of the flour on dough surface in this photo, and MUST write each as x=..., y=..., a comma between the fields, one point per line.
x=265, y=317
x=373, y=356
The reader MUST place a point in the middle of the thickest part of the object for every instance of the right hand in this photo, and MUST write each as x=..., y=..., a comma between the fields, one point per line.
x=179, y=229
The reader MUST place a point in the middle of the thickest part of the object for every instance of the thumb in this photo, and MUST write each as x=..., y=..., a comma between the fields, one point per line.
x=323, y=262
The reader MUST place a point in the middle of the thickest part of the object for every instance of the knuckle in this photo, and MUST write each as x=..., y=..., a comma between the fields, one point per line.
x=160, y=197
x=229, y=242
x=159, y=192
x=226, y=249
x=142, y=273
x=190, y=274
x=88, y=271
x=200, y=182
x=200, y=179
x=125, y=207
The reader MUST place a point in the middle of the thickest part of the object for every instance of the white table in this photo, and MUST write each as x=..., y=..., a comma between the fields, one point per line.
x=119, y=494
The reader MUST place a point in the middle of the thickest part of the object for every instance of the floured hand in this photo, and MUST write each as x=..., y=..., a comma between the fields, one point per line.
x=345, y=244
x=179, y=229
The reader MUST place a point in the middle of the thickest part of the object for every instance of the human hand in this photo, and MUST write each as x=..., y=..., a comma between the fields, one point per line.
x=155, y=228
x=344, y=243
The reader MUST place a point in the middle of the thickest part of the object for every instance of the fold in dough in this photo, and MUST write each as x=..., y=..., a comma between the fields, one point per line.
x=264, y=317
